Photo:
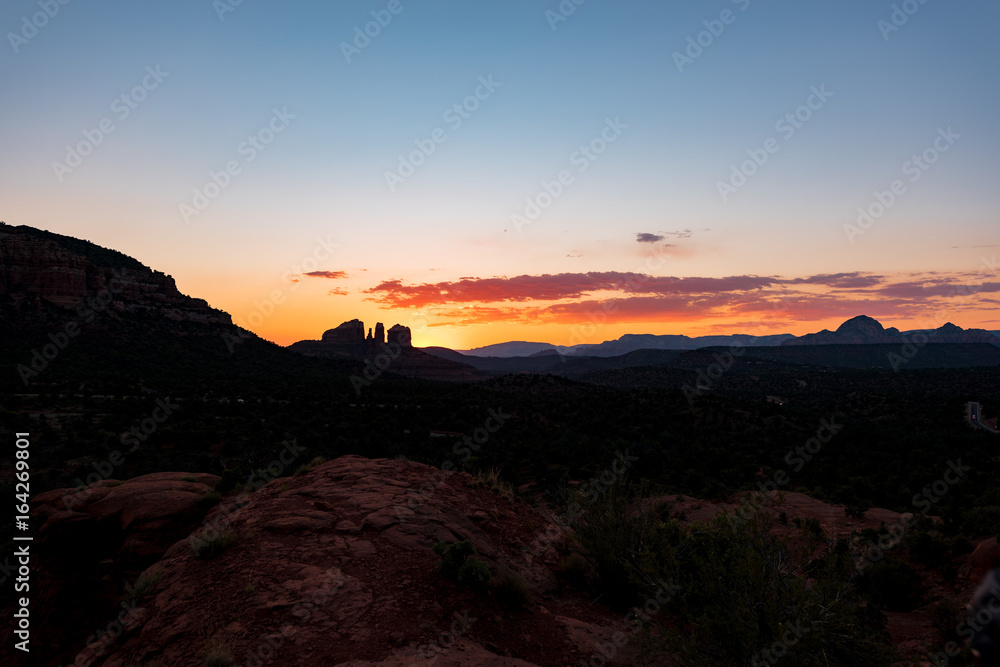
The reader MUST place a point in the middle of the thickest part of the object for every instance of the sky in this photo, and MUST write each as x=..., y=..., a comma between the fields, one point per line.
x=537, y=170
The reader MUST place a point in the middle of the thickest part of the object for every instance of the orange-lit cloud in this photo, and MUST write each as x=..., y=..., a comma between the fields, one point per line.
x=622, y=297
x=551, y=287
x=331, y=275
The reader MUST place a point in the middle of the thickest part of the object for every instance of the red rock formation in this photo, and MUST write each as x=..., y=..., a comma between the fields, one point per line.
x=400, y=335
x=397, y=355
x=348, y=333
x=94, y=538
x=335, y=567
x=40, y=267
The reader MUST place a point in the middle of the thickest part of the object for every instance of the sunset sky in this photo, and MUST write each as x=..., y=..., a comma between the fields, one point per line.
x=697, y=167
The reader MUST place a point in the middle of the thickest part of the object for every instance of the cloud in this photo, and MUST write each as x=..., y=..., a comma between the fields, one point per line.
x=331, y=275
x=630, y=297
x=854, y=280
x=337, y=291
x=646, y=237
x=551, y=287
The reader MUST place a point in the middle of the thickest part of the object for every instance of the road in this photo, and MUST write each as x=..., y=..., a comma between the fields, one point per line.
x=974, y=417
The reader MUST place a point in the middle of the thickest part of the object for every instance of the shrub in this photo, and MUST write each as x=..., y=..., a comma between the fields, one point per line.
x=219, y=655
x=927, y=548
x=206, y=548
x=575, y=570
x=513, y=589
x=492, y=481
x=948, y=615
x=230, y=478
x=306, y=467
x=474, y=574
x=734, y=586
x=892, y=584
x=141, y=586
x=459, y=563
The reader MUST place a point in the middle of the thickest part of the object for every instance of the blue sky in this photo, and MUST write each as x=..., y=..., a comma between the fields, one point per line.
x=324, y=174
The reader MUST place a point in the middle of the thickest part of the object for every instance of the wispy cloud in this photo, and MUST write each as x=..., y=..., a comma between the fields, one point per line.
x=551, y=287
x=625, y=297
x=330, y=275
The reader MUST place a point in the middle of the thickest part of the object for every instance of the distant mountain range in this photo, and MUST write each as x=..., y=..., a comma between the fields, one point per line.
x=861, y=330
x=861, y=342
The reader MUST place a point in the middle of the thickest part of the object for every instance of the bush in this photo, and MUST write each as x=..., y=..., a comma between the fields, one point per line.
x=474, y=574
x=492, y=481
x=230, y=478
x=927, y=548
x=459, y=564
x=303, y=469
x=735, y=587
x=615, y=538
x=512, y=589
x=892, y=584
x=575, y=570
x=141, y=586
x=219, y=655
x=212, y=546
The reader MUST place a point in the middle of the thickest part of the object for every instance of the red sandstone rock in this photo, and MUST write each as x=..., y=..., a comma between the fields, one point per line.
x=335, y=567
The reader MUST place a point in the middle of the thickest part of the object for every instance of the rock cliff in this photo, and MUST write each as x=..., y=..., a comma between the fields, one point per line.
x=39, y=270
